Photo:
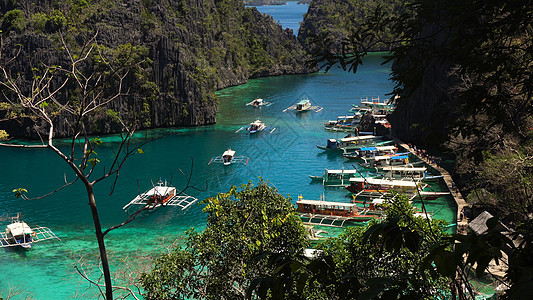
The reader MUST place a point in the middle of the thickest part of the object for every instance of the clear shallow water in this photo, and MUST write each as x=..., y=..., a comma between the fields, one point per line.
x=286, y=158
x=289, y=15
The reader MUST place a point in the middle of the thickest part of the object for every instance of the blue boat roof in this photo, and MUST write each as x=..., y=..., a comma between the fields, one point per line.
x=304, y=101
x=400, y=157
x=368, y=148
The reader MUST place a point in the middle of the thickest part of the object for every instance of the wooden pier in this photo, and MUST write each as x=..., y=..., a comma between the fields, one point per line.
x=462, y=222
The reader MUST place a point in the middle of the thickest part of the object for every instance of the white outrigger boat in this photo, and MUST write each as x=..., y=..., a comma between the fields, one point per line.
x=409, y=173
x=303, y=105
x=351, y=142
x=365, y=153
x=258, y=103
x=337, y=177
x=358, y=184
x=228, y=158
x=343, y=123
x=385, y=161
x=334, y=214
x=255, y=126
x=18, y=233
x=162, y=195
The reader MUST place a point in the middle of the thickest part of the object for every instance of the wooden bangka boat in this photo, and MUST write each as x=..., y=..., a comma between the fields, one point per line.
x=350, y=142
x=258, y=103
x=327, y=213
x=337, y=177
x=228, y=158
x=18, y=233
x=162, y=195
x=255, y=126
x=303, y=105
x=408, y=173
x=366, y=153
x=400, y=186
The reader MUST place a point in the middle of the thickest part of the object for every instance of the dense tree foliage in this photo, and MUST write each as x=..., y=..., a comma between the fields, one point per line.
x=387, y=260
x=334, y=23
x=464, y=75
x=188, y=49
x=219, y=262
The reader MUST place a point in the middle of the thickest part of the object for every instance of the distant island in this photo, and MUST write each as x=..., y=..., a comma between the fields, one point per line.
x=264, y=2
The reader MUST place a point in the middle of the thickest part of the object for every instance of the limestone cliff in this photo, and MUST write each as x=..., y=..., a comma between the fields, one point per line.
x=189, y=49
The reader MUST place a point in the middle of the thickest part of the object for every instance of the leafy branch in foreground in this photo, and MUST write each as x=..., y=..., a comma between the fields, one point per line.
x=71, y=95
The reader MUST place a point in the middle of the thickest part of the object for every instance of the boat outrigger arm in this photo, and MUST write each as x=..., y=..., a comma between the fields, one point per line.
x=183, y=201
x=38, y=234
x=315, y=108
x=235, y=160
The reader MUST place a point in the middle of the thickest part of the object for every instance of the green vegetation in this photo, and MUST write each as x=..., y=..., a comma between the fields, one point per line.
x=198, y=47
x=220, y=262
x=13, y=20
x=336, y=23
x=469, y=65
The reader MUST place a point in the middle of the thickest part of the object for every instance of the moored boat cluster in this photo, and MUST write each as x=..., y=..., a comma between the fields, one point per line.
x=379, y=174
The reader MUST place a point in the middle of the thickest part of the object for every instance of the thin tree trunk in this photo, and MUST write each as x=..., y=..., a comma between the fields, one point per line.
x=101, y=244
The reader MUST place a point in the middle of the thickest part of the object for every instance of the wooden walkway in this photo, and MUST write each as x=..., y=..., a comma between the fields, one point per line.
x=459, y=200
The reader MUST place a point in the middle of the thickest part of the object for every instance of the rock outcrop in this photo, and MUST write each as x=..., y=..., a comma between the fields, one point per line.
x=187, y=49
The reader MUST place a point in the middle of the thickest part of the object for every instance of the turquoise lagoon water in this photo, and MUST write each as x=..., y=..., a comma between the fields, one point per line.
x=286, y=158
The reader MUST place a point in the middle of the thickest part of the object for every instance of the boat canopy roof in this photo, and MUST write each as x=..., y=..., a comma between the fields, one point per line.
x=256, y=122
x=405, y=169
x=303, y=101
x=383, y=148
x=228, y=152
x=19, y=228
x=354, y=171
x=160, y=190
x=368, y=149
x=325, y=203
x=398, y=183
x=399, y=157
x=358, y=138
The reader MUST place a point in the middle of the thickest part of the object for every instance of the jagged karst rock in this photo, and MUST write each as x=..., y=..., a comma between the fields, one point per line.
x=194, y=47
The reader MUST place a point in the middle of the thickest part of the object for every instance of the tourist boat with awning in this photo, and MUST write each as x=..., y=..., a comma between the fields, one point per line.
x=328, y=213
x=20, y=234
x=358, y=184
x=162, y=194
x=255, y=126
x=365, y=153
x=303, y=105
x=339, y=177
x=258, y=103
x=350, y=142
x=384, y=161
x=408, y=173
x=228, y=158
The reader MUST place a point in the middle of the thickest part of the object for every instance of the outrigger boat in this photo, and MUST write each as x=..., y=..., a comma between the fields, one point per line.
x=358, y=184
x=18, y=233
x=327, y=213
x=162, y=195
x=228, y=158
x=304, y=105
x=336, y=177
x=365, y=153
x=258, y=103
x=409, y=173
x=350, y=142
x=255, y=126
x=385, y=161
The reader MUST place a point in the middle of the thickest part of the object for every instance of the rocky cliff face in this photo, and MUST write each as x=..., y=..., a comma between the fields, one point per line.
x=187, y=48
x=332, y=22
